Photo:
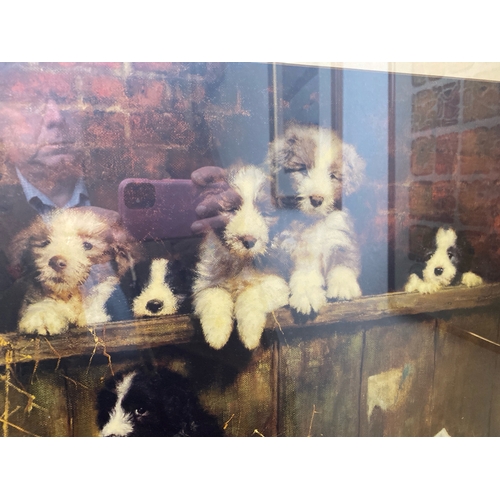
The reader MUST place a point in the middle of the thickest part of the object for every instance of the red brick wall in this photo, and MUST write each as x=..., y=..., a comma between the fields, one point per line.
x=454, y=176
x=138, y=119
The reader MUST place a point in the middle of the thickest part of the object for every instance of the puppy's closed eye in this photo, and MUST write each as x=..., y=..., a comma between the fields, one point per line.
x=41, y=244
x=296, y=167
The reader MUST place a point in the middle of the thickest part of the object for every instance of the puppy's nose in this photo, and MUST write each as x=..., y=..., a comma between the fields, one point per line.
x=57, y=263
x=316, y=201
x=154, y=305
x=438, y=271
x=248, y=241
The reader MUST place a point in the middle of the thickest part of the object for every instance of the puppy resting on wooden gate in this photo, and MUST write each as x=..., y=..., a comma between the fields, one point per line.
x=231, y=280
x=446, y=260
x=58, y=253
x=316, y=168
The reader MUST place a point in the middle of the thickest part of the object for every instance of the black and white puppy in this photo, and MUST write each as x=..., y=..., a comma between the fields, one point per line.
x=160, y=403
x=158, y=287
x=446, y=261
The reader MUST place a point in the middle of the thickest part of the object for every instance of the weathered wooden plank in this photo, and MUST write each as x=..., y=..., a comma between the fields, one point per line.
x=150, y=333
x=463, y=382
x=397, y=375
x=39, y=394
x=495, y=401
x=244, y=399
x=320, y=381
x=399, y=304
x=315, y=379
x=105, y=338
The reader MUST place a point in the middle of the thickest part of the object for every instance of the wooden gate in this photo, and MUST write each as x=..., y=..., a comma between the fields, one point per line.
x=387, y=365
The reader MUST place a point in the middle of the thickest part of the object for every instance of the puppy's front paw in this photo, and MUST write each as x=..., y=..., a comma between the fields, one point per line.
x=217, y=330
x=43, y=318
x=470, y=279
x=308, y=300
x=307, y=292
x=214, y=307
x=343, y=284
x=250, y=328
x=415, y=284
x=429, y=287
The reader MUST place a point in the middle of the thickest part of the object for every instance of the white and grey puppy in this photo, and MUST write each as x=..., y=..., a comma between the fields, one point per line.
x=446, y=261
x=231, y=281
x=316, y=168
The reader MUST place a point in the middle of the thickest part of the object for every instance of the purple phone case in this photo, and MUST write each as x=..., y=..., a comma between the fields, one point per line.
x=158, y=209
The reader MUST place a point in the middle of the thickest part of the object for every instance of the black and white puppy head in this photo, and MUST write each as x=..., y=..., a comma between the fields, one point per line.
x=156, y=297
x=139, y=403
x=441, y=258
x=316, y=166
x=247, y=231
x=446, y=257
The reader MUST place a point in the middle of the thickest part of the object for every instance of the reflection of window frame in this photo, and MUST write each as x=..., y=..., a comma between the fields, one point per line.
x=284, y=91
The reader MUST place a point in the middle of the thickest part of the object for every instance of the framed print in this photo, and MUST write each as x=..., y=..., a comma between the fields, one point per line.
x=249, y=249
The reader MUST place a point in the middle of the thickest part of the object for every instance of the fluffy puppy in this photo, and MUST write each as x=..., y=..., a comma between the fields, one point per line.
x=231, y=281
x=58, y=253
x=143, y=403
x=314, y=168
x=446, y=260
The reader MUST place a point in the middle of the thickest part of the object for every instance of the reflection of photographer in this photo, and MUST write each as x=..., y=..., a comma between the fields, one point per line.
x=40, y=148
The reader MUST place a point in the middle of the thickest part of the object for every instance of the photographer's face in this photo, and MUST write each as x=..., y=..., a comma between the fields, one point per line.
x=38, y=136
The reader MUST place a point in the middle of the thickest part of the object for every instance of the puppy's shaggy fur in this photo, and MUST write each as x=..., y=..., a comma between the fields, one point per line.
x=142, y=403
x=231, y=280
x=58, y=253
x=446, y=261
x=317, y=168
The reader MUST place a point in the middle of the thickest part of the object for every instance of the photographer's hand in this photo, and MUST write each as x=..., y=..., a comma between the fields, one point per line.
x=218, y=199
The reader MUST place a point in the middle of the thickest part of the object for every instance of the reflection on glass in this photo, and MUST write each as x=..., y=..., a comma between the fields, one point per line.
x=392, y=157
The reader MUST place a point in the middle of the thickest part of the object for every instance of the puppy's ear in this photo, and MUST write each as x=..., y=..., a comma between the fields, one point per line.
x=424, y=246
x=20, y=250
x=353, y=169
x=465, y=253
x=126, y=250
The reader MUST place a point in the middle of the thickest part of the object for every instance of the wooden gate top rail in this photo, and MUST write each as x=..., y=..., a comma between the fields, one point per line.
x=155, y=332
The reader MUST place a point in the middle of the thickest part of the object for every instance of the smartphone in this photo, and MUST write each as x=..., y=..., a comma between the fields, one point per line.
x=158, y=209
